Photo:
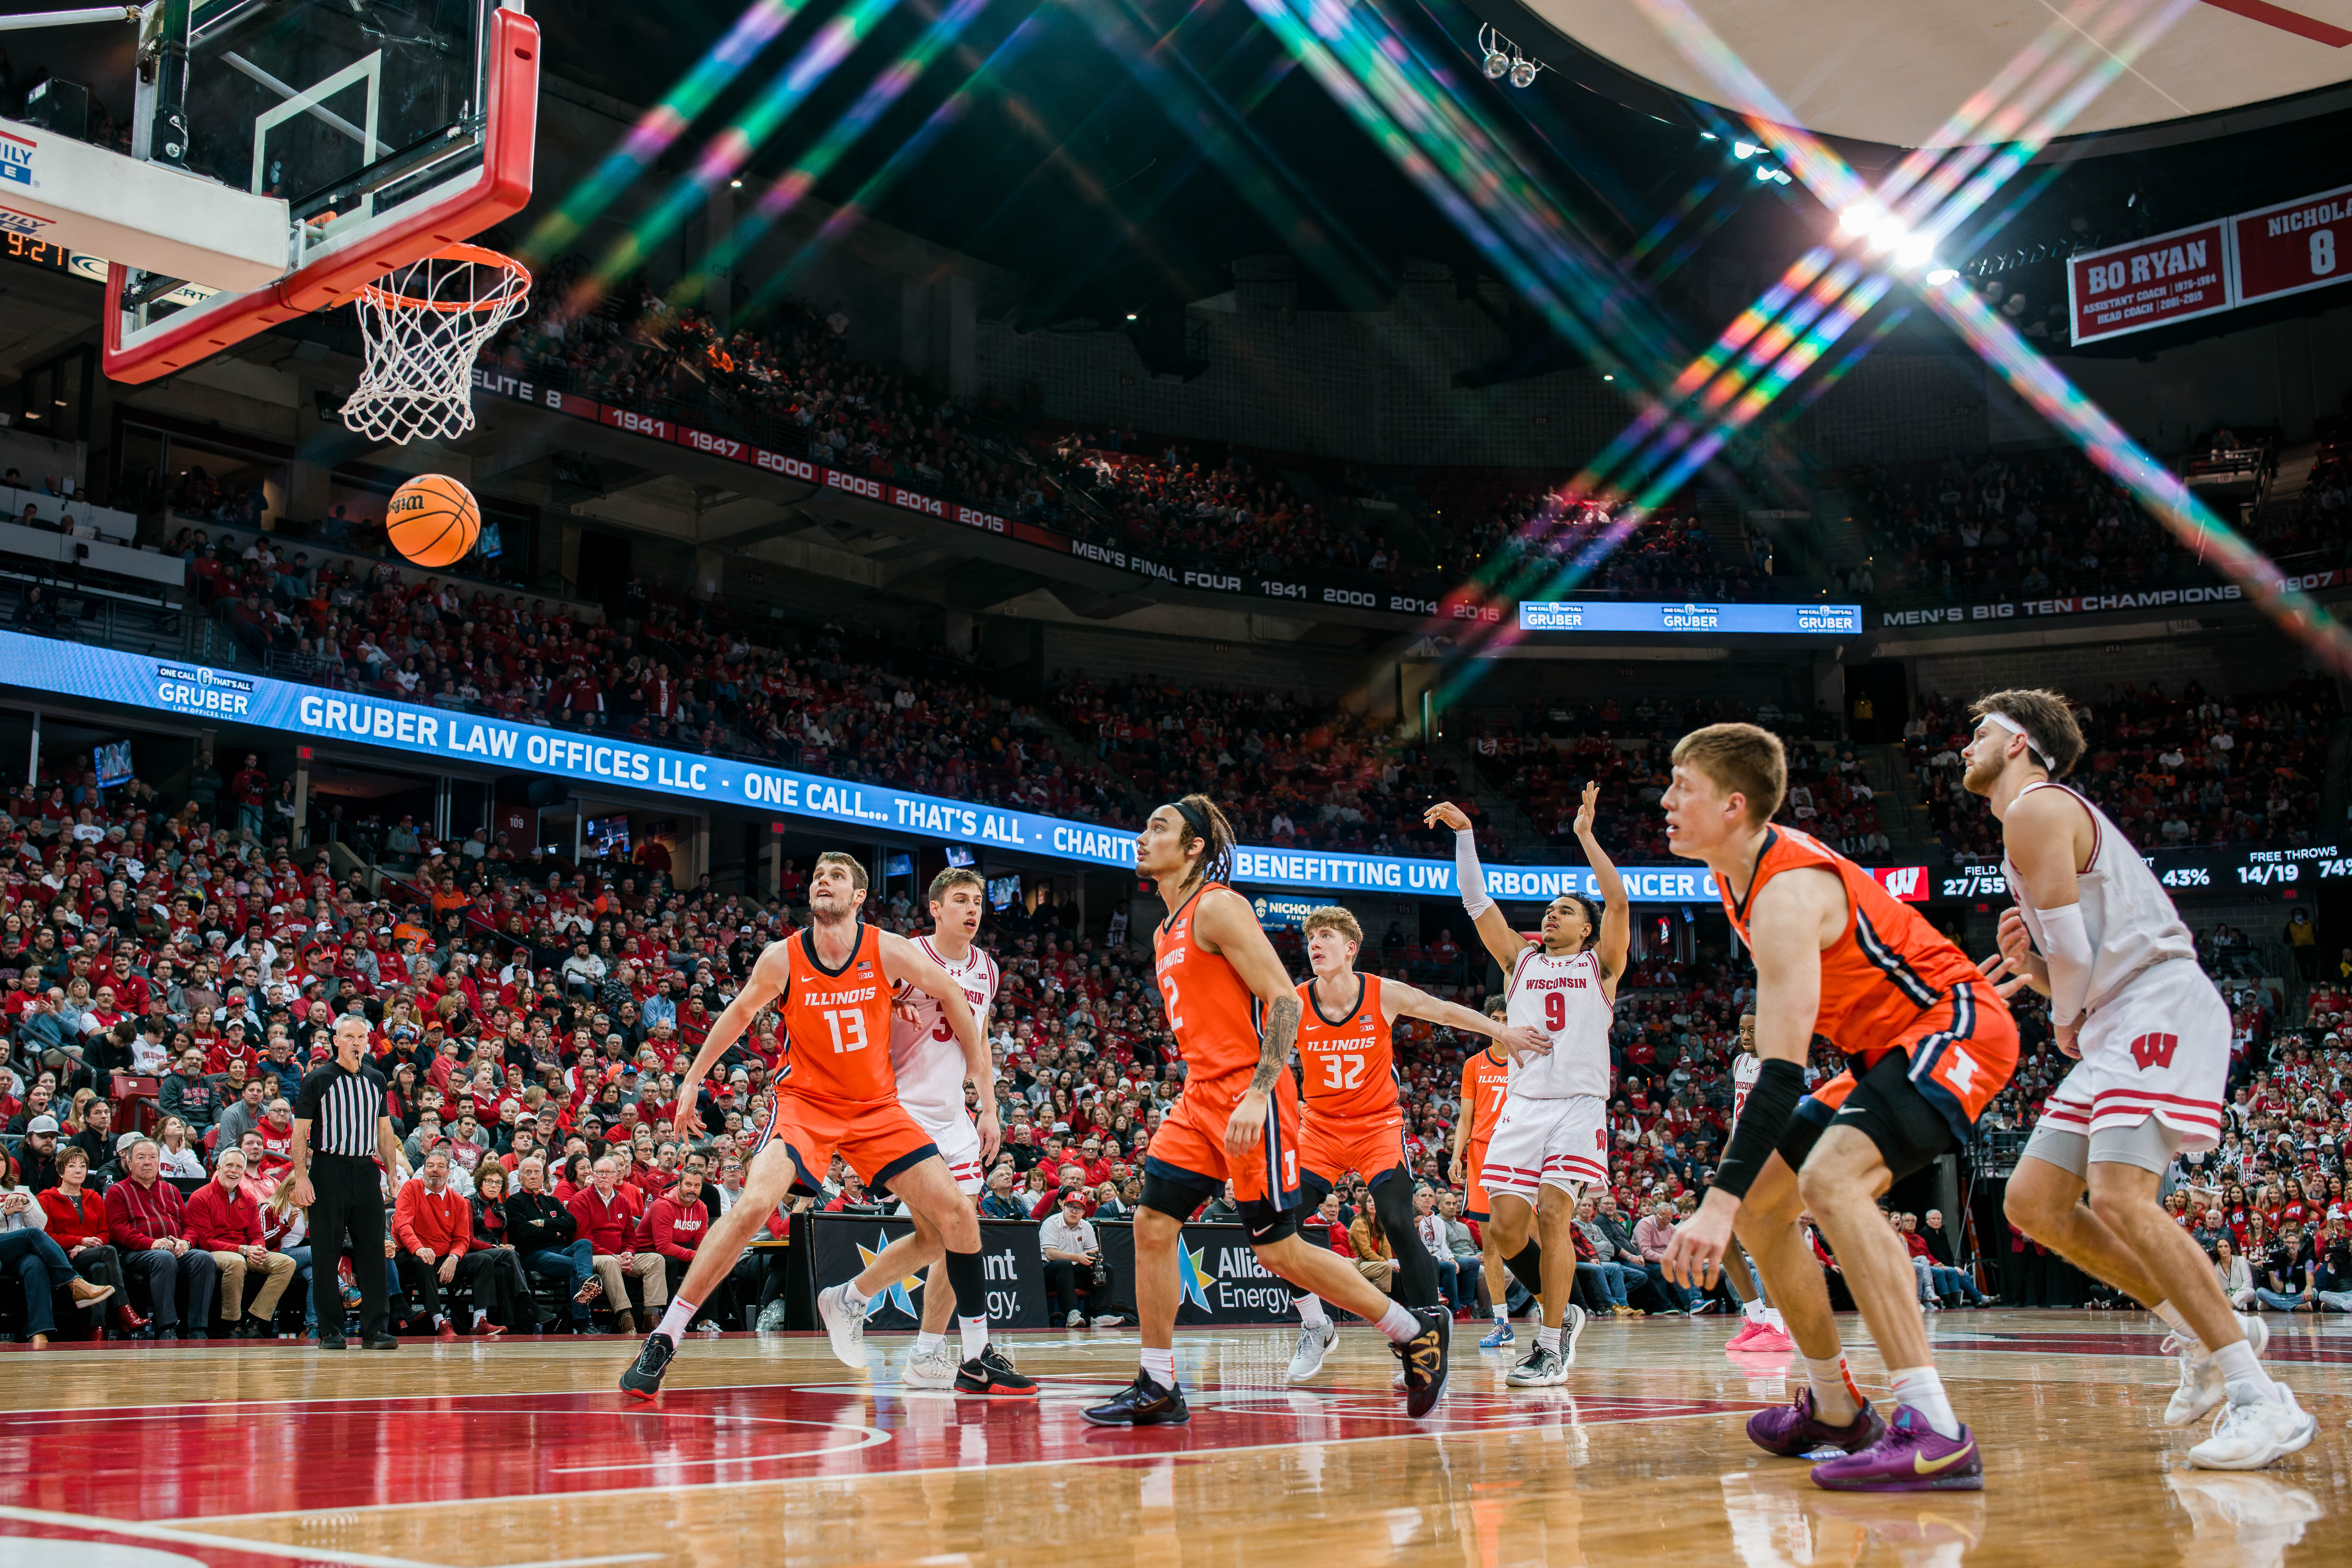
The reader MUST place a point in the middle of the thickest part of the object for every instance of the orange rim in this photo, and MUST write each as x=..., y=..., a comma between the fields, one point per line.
x=517, y=274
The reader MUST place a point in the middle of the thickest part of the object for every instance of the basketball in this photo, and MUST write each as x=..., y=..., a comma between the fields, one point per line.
x=433, y=521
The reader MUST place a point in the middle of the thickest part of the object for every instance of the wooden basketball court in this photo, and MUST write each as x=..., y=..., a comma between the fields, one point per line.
x=767, y=1450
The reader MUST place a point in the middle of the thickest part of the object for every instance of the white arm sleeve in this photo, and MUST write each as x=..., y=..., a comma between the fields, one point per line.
x=1472, y=881
x=2068, y=950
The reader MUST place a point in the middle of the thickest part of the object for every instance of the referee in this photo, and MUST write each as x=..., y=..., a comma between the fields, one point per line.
x=341, y=1108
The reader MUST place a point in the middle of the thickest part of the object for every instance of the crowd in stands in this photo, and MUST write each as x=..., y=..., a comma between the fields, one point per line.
x=2042, y=525
x=2174, y=771
x=1548, y=542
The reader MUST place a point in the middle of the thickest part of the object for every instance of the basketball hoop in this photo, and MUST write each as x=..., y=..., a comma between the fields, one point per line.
x=424, y=325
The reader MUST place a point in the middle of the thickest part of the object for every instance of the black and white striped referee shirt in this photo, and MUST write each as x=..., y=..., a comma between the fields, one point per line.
x=342, y=1108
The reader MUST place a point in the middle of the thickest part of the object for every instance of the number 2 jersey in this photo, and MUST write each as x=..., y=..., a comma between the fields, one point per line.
x=1561, y=994
x=925, y=1053
x=1211, y=1011
x=1348, y=1066
x=837, y=1023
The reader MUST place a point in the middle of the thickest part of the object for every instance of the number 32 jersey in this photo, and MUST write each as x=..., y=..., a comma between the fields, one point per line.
x=1561, y=994
x=837, y=1022
x=1348, y=1063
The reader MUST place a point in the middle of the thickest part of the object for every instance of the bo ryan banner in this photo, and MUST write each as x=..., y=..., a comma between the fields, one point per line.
x=423, y=736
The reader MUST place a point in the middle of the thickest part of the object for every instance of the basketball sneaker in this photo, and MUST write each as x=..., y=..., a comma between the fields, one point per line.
x=2200, y=1379
x=2260, y=1432
x=1142, y=1403
x=845, y=1328
x=1314, y=1343
x=1571, y=1329
x=1909, y=1457
x=1498, y=1336
x=643, y=1378
x=1423, y=1356
x=1540, y=1368
x=932, y=1369
x=1793, y=1430
x=990, y=1374
x=1747, y=1328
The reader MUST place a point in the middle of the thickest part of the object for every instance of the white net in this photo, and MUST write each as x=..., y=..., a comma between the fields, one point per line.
x=424, y=325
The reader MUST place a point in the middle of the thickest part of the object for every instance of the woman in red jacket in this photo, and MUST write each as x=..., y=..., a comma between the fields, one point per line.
x=77, y=1222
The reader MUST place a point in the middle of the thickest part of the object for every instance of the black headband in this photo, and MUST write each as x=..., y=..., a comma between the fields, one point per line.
x=1192, y=815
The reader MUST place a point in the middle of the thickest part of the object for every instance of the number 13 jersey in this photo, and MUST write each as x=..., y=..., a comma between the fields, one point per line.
x=1561, y=994
x=837, y=1022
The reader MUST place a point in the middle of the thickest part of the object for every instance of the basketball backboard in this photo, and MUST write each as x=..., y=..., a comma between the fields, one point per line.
x=385, y=129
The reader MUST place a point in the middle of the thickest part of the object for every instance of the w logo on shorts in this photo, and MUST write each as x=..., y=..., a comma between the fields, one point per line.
x=2155, y=1050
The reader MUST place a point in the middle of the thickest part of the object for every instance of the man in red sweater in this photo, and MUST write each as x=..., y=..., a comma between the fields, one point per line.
x=433, y=1228
x=610, y=1219
x=145, y=1220
x=225, y=1221
x=676, y=1223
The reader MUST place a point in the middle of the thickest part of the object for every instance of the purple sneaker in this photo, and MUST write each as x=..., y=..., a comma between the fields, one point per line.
x=1792, y=1430
x=1912, y=1457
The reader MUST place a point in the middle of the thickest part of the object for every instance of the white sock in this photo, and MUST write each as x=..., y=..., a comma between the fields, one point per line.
x=1502, y=1314
x=926, y=1343
x=855, y=1299
x=674, y=1322
x=439, y=1319
x=1547, y=1338
x=1833, y=1399
x=1310, y=1310
x=2175, y=1322
x=1920, y=1388
x=2244, y=1376
x=1399, y=1323
x=1159, y=1366
x=1772, y=1316
x=976, y=1335
x=1754, y=1311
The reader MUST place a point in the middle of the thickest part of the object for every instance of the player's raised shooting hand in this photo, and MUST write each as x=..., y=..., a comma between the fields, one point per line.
x=1445, y=814
x=1586, y=807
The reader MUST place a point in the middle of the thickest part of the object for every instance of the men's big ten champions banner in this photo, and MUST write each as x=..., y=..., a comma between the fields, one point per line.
x=843, y=1245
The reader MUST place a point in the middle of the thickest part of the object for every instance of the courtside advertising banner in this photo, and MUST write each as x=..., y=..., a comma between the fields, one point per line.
x=1217, y=1272
x=841, y=1246
x=2149, y=282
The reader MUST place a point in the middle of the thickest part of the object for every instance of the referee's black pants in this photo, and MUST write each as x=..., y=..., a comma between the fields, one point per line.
x=350, y=1202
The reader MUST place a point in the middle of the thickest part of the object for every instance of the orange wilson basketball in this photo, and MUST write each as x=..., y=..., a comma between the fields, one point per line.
x=433, y=521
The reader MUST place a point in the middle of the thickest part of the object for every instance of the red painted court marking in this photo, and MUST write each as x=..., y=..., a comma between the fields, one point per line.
x=299, y=1456
x=2285, y=21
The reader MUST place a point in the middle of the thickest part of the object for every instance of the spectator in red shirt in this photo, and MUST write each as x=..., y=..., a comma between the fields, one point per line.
x=434, y=1230
x=77, y=1222
x=676, y=1224
x=225, y=1221
x=610, y=1221
x=146, y=1223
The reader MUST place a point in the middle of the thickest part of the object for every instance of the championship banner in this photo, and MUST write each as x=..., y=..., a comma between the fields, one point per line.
x=2149, y=283
x=2293, y=246
x=1220, y=1276
x=841, y=1246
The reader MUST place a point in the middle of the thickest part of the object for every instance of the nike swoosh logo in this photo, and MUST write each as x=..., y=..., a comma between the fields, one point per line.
x=1920, y=1465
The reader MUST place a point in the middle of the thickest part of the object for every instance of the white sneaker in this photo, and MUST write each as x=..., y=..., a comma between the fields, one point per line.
x=932, y=1369
x=773, y=1318
x=845, y=1328
x=1314, y=1343
x=2258, y=1433
x=2200, y=1378
x=1108, y=1321
x=1075, y=1320
x=1571, y=1328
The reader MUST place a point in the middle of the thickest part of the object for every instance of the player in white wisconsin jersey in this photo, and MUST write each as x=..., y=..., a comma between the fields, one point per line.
x=930, y=1067
x=1760, y=1328
x=1552, y=1140
x=2096, y=934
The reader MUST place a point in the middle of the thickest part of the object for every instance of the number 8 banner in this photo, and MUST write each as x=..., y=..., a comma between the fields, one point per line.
x=2293, y=246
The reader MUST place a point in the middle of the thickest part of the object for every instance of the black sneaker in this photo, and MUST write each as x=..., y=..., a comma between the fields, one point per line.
x=1144, y=1404
x=990, y=1374
x=379, y=1342
x=1423, y=1356
x=643, y=1378
x=330, y=1341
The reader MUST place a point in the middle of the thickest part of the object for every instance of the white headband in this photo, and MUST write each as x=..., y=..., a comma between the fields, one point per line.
x=2014, y=728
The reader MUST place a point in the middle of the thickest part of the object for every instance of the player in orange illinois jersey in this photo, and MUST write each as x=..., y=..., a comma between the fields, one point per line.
x=833, y=984
x=1931, y=1043
x=1352, y=1120
x=1485, y=1079
x=1236, y=1018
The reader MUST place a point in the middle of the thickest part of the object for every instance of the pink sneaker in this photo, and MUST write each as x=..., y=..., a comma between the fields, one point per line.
x=1910, y=1456
x=1770, y=1338
x=1744, y=1340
